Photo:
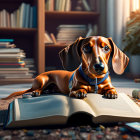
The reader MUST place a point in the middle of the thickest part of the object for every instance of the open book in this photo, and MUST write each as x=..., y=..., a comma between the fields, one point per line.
x=57, y=109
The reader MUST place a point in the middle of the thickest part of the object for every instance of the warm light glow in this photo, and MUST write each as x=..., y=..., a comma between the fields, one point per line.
x=135, y=5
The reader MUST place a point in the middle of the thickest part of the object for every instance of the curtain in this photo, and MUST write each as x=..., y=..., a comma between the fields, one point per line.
x=117, y=14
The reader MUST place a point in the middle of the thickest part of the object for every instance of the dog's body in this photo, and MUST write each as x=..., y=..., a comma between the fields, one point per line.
x=92, y=73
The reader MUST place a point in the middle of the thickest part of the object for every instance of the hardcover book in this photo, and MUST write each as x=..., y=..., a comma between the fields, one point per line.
x=57, y=109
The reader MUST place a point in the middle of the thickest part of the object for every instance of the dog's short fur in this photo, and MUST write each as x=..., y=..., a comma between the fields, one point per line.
x=93, y=53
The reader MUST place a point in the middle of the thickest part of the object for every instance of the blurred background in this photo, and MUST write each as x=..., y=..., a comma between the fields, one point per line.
x=32, y=32
x=119, y=19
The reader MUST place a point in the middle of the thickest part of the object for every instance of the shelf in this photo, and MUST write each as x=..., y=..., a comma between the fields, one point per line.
x=72, y=15
x=15, y=31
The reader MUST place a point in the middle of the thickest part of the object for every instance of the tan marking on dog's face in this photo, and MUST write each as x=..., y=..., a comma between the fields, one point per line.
x=96, y=50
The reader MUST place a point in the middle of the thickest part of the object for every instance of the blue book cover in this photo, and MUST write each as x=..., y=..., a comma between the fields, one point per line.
x=6, y=40
x=34, y=16
x=135, y=126
x=27, y=16
x=31, y=18
x=22, y=15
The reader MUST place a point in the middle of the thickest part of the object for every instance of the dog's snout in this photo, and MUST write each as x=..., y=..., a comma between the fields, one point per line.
x=99, y=67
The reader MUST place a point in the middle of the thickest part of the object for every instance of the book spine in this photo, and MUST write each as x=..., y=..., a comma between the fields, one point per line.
x=68, y=5
x=0, y=18
x=63, y=5
x=6, y=40
x=15, y=18
x=34, y=17
x=86, y=5
x=47, y=5
x=18, y=18
x=8, y=19
x=53, y=38
x=92, y=4
x=9, y=50
x=31, y=18
x=47, y=38
x=27, y=16
x=4, y=18
x=56, y=5
x=51, y=5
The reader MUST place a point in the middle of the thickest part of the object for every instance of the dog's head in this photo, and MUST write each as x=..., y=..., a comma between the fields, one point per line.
x=94, y=53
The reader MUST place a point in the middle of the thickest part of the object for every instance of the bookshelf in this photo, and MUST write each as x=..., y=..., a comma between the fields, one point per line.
x=55, y=18
x=31, y=40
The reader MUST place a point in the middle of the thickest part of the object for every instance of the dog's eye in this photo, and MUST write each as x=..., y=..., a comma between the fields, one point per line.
x=106, y=49
x=87, y=49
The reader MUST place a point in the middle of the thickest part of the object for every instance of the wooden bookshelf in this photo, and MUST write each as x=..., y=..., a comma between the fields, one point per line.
x=84, y=15
x=18, y=31
x=31, y=40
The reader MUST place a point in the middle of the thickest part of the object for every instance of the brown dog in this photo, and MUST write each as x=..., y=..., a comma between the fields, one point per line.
x=91, y=76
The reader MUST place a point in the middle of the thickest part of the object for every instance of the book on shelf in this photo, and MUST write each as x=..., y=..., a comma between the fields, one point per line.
x=27, y=17
x=47, y=38
x=69, y=33
x=19, y=64
x=67, y=5
x=39, y=111
x=34, y=15
x=23, y=17
x=92, y=30
x=13, y=70
x=93, y=5
x=12, y=55
x=58, y=5
x=6, y=40
x=9, y=50
x=86, y=5
x=12, y=61
x=49, y=5
x=53, y=38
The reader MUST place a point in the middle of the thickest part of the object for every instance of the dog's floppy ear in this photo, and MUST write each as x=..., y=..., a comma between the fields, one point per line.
x=70, y=56
x=119, y=59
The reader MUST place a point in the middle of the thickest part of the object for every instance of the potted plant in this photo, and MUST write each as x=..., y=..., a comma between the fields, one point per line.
x=131, y=42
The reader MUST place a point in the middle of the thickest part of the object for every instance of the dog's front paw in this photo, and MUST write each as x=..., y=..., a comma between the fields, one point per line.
x=80, y=94
x=35, y=94
x=111, y=94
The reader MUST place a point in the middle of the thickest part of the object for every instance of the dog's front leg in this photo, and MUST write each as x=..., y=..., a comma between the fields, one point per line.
x=107, y=89
x=79, y=92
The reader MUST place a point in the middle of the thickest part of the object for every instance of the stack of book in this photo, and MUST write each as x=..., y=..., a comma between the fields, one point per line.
x=67, y=34
x=12, y=64
x=24, y=17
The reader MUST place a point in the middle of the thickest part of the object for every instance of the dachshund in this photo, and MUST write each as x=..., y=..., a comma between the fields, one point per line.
x=89, y=56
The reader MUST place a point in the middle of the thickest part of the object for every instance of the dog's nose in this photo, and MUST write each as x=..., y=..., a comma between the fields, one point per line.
x=99, y=67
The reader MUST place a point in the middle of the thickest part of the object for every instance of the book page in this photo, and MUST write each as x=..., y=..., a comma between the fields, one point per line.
x=51, y=105
x=123, y=106
x=79, y=105
x=45, y=110
x=43, y=106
